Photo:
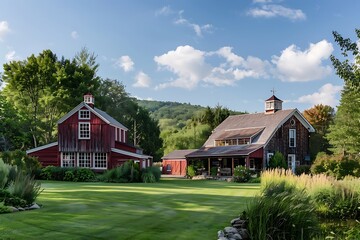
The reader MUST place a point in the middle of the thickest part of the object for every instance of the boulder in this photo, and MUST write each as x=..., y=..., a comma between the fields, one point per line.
x=34, y=206
x=221, y=234
x=228, y=230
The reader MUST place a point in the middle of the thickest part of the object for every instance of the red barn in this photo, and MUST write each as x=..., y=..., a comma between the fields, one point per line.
x=89, y=138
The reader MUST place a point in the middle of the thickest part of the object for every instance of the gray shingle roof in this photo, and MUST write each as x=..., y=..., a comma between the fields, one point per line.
x=269, y=122
x=111, y=120
x=234, y=150
x=178, y=154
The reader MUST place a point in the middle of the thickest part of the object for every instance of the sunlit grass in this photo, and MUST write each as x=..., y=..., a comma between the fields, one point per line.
x=170, y=209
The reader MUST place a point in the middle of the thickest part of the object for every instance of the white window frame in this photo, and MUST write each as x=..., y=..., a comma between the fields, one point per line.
x=252, y=164
x=86, y=112
x=80, y=130
x=98, y=158
x=116, y=134
x=292, y=135
x=68, y=157
x=291, y=160
x=269, y=155
x=84, y=160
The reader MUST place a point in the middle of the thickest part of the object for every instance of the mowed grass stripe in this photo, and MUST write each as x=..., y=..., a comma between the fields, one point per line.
x=170, y=209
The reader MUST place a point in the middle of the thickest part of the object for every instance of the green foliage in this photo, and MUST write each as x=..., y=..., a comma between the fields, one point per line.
x=127, y=172
x=337, y=166
x=213, y=171
x=151, y=174
x=191, y=171
x=4, y=209
x=277, y=161
x=255, y=180
x=68, y=174
x=344, y=134
x=23, y=162
x=281, y=213
x=241, y=174
x=4, y=172
x=302, y=169
x=25, y=187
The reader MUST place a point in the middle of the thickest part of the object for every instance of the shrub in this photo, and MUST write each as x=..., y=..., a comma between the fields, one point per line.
x=302, y=169
x=4, y=173
x=25, y=163
x=255, y=180
x=213, y=171
x=241, y=174
x=127, y=172
x=4, y=209
x=277, y=161
x=191, y=171
x=83, y=175
x=155, y=171
x=25, y=187
x=69, y=176
x=282, y=212
x=148, y=177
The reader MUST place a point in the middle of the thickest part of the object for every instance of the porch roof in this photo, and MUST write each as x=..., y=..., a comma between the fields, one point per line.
x=225, y=151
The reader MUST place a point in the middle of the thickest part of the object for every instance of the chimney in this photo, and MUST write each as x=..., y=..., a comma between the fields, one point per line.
x=89, y=99
x=272, y=105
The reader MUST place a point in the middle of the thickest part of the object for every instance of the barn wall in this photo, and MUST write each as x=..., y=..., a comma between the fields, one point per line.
x=48, y=156
x=178, y=166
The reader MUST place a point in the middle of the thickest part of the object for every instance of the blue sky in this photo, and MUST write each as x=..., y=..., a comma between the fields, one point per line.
x=204, y=52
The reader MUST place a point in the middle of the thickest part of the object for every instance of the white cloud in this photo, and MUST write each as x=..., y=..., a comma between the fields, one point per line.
x=269, y=11
x=4, y=29
x=187, y=63
x=196, y=27
x=75, y=35
x=294, y=65
x=164, y=11
x=11, y=56
x=125, y=63
x=326, y=95
x=142, y=80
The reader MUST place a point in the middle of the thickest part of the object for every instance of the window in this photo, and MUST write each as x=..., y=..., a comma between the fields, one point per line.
x=252, y=164
x=84, y=130
x=84, y=160
x=168, y=167
x=100, y=160
x=292, y=137
x=67, y=159
x=269, y=156
x=84, y=114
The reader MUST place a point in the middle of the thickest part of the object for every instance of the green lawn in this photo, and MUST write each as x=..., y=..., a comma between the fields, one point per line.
x=170, y=209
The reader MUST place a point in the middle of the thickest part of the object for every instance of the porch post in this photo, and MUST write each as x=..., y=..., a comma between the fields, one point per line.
x=232, y=166
x=247, y=162
x=208, y=166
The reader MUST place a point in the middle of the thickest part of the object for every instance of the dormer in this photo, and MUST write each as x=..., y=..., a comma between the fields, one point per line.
x=89, y=99
x=273, y=104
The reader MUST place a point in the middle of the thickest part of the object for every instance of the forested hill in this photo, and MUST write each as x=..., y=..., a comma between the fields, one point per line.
x=178, y=112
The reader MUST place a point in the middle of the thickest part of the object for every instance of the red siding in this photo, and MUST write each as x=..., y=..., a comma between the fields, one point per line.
x=48, y=156
x=257, y=154
x=124, y=146
x=177, y=166
x=102, y=135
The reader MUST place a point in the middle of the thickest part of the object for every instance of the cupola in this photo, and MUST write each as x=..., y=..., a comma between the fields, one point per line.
x=89, y=99
x=273, y=104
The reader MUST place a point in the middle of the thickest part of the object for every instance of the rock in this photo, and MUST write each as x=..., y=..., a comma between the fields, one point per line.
x=228, y=230
x=244, y=233
x=199, y=177
x=236, y=236
x=13, y=209
x=21, y=209
x=223, y=238
x=221, y=234
x=34, y=206
x=235, y=220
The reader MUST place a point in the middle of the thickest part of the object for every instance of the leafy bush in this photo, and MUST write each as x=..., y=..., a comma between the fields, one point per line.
x=28, y=164
x=282, y=212
x=302, y=169
x=241, y=174
x=191, y=171
x=277, y=161
x=127, y=172
x=213, y=171
x=151, y=174
x=25, y=187
x=255, y=180
x=83, y=175
x=4, y=209
x=4, y=173
x=148, y=177
x=67, y=174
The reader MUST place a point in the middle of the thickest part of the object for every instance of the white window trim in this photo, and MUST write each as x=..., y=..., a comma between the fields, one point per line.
x=269, y=155
x=84, y=123
x=290, y=166
x=116, y=134
x=106, y=160
x=294, y=131
x=78, y=159
x=62, y=159
x=82, y=118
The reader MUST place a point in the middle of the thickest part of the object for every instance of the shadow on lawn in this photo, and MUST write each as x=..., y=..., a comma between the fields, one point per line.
x=137, y=214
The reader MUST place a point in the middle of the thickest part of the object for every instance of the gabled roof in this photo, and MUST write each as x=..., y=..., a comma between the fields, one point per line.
x=225, y=151
x=239, y=133
x=131, y=154
x=178, y=154
x=269, y=122
x=101, y=114
x=42, y=147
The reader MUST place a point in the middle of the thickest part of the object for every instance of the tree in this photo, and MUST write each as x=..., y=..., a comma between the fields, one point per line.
x=344, y=134
x=278, y=161
x=320, y=116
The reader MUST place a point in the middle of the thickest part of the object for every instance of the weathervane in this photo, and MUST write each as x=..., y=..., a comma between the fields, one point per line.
x=273, y=91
